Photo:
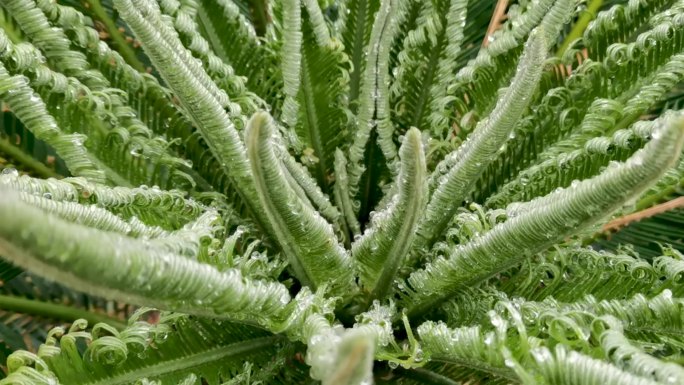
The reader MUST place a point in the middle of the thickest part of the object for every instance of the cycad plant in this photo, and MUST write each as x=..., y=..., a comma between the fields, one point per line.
x=347, y=192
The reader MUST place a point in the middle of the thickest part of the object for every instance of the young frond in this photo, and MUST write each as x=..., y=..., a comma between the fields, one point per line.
x=548, y=342
x=454, y=176
x=385, y=244
x=144, y=350
x=203, y=104
x=127, y=268
x=305, y=237
x=546, y=221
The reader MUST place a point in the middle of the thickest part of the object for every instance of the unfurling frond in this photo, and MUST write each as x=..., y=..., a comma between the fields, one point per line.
x=625, y=275
x=481, y=79
x=587, y=104
x=204, y=105
x=153, y=206
x=350, y=361
x=546, y=221
x=567, y=165
x=311, y=189
x=143, y=350
x=30, y=109
x=305, y=237
x=374, y=95
x=292, y=49
x=384, y=245
x=129, y=269
x=342, y=198
x=454, y=177
x=530, y=342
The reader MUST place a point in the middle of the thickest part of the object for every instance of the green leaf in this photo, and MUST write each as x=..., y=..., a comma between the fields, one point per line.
x=203, y=105
x=153, y=206
x=584, y=106
x=128, y=269
x=546, y=220
x=373, y=100
x=322, y=121
x=305, y=237
x=427, y=63
x=358, y=17
x=548, y=341
x=619, y=23
x=384, y=245
x=185, y=23
x=559, y=170
x=31, y=110
x=438, y=112
x=477, y=83
x=455, y=176
x=139, y=158
x=291, y=59
x=167, y=352
x=229, y=33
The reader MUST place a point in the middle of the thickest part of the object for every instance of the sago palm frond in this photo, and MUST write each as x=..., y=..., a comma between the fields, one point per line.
x=341, y=192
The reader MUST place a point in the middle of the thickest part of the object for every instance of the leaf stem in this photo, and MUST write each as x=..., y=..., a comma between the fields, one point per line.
x=578, y=30
x=626, y=220
x=117, y=37
x=56, y=311
x=27, y=160
x=496, y=21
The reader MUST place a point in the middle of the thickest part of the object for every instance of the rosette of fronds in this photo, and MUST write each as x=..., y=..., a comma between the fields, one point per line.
x=341, y=192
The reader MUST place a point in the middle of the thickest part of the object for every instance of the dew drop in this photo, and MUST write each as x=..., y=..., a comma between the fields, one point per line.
x=10, y=171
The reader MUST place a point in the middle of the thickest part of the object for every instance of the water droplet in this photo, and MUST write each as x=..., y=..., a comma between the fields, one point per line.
x=418, y=356
x=161, y=337
x=10, y=171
